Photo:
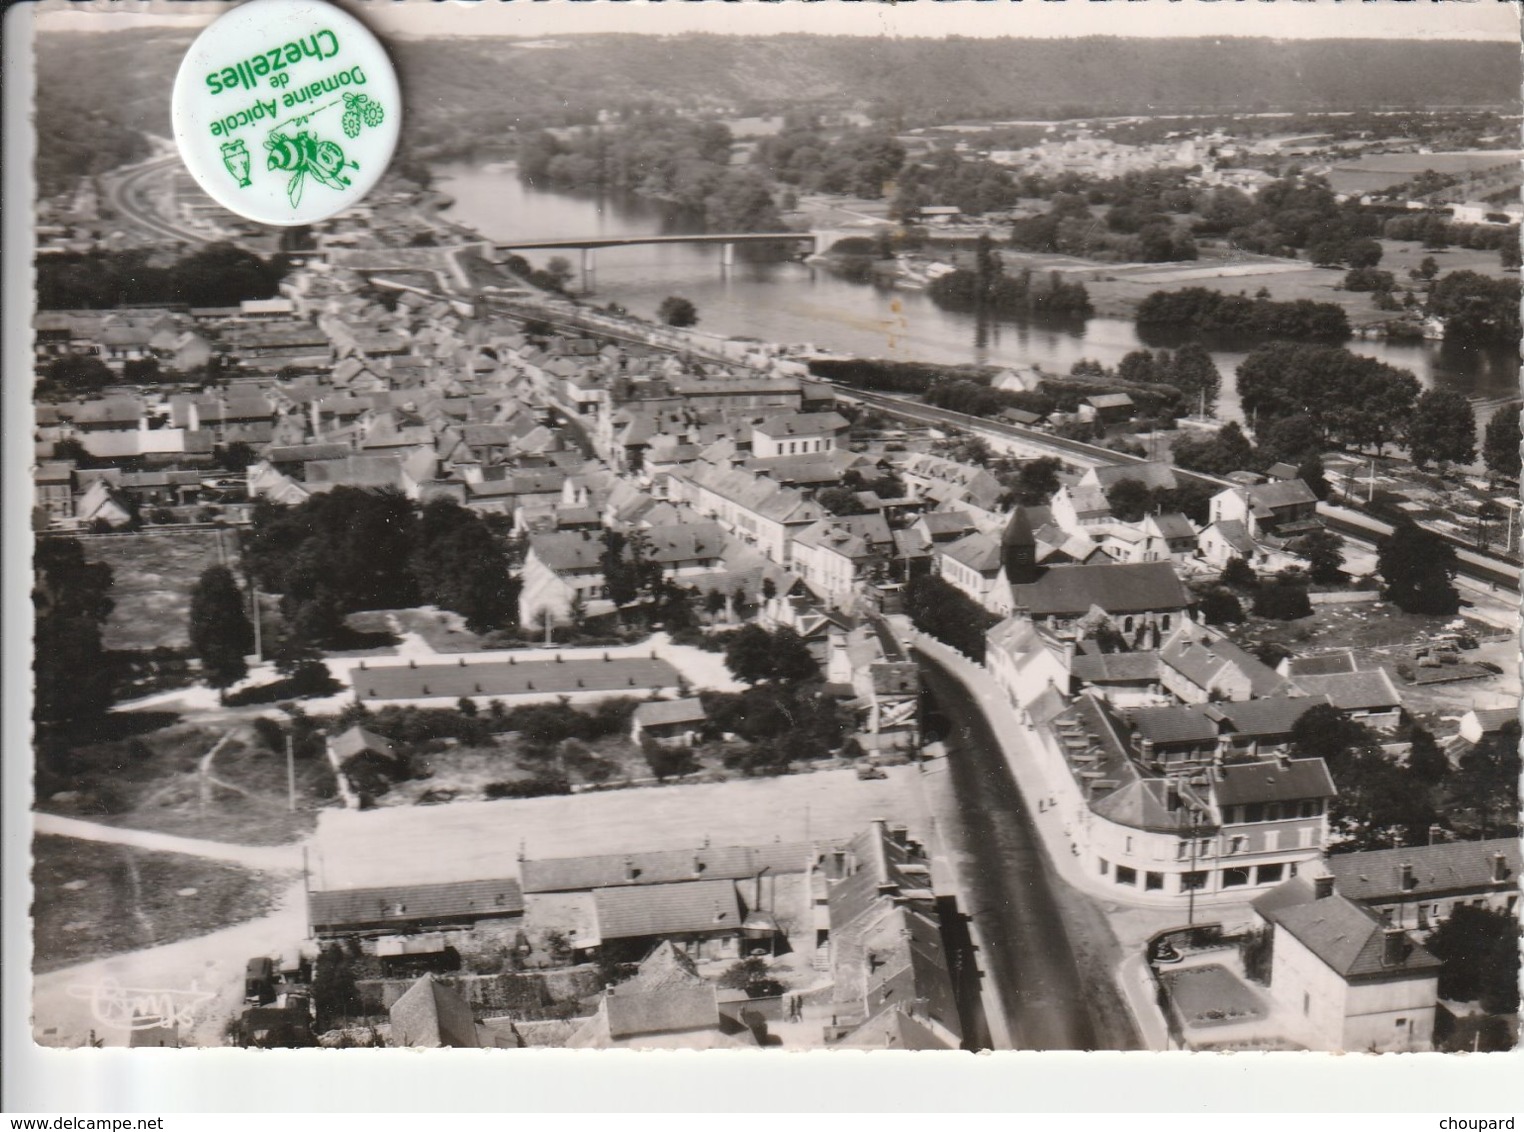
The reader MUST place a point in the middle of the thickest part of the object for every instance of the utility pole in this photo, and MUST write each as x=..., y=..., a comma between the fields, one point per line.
x=259, y=654
x=1370, y=484
x=290, y=775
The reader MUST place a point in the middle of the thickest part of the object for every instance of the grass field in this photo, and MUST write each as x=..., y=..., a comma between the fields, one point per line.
x=1378, y=171
x=152, y=580
x=152, y=780
x=93, y=899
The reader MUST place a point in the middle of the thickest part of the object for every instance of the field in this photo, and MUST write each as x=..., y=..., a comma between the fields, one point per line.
x=1378, y=171
x=153, y=576
x=159, y=778
x=93, y=899
x=425, y=844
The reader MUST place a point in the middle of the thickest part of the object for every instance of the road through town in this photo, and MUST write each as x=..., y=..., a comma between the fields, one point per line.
x=1047, y=946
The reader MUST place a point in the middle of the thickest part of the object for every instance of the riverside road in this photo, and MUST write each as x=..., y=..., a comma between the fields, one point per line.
x=1025, y=913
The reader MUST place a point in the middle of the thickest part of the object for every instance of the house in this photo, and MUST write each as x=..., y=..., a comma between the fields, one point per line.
x=1082, y=511
x=664, y=867
x=1279, y=510
x=1108, y=408
x=1168, y=537
x=53, y=481
x=1195, y=827
x=883, y=937
x=667, y=1004
x=886, y=684
x=1158, y=475
x=431, y=1015
x=761, y=512
x=1027, y=659
x=833, y=561
x=103, y=504
x=940, y=527
x=1221, y=542
x=702, y=917
x=1478, y=723
x=1366, y=696
x=413, y=908
x=1344, y=980
x=1199, y=664
x=1418, y=886
x=790, y=434
x=669, y=723
x=1134, y=594
x=562, y=568
x=972, y=564
x=1167, y=738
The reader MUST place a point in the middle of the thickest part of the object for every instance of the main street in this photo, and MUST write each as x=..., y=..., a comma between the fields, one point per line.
x=1047, y=949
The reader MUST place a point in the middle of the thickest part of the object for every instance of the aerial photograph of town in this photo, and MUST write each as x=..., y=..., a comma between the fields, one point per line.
x=788, y=542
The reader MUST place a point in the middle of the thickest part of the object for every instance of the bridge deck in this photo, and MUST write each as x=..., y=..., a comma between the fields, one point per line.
x=628, y=241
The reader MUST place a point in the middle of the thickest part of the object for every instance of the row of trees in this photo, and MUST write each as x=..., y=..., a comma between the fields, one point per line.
x=219, y=275
x=988, y=287
x=947, y=613
x=1201, y=310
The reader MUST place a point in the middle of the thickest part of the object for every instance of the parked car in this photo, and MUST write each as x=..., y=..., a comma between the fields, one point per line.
x=259, y=981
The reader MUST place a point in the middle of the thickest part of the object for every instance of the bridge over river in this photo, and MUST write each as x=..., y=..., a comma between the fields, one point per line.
x=819, y=239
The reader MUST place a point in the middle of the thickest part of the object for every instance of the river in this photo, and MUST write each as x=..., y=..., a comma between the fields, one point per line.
x=795, y=302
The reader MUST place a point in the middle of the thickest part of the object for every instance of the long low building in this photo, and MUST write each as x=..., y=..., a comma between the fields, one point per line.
x=413, y=907
x=498, y=679
x=666, y=866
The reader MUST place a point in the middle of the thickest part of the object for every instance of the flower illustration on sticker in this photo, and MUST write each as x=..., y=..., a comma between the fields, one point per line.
x=358, y=109
x=235, y=158
x=305, y=155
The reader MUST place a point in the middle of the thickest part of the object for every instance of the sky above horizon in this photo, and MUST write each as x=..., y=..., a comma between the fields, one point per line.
x=1279, y=19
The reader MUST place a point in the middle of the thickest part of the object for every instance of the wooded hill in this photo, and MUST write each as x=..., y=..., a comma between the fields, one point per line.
x=468, y=95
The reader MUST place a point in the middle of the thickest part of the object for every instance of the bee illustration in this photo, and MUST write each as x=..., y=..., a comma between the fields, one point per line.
x=305, y=154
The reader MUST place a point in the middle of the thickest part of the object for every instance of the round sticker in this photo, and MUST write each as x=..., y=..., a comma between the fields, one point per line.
x=286, y=111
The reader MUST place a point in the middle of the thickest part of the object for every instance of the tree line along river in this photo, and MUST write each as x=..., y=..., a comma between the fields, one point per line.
x=793, y=302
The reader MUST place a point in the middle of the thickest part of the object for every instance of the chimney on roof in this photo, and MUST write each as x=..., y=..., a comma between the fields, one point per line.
x=1171, y=795
x=631, y=873
x=1394, y=947
x=1499, y=868
x=1407, y=880
x=1322, y=887
x=698, y=866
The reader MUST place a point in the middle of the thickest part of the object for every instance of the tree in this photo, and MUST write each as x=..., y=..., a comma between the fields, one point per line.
x=1417, y=567
x=1130, y=499
x=71, y=598
x=1443, y=429
x=460, y=565
x=221, y=634
x=559, y=269
x=1426, y=761
x=1324, y=732
x=1218, y=606
x=621, y=578
x=73, y=375
x=1284, y=599
x=1427, y=268
x=1500, y=444
x=1480, y=951
x=1038, y=480
x=753, y=655
x=840, y=501
x=1195, y=374
x=714, y=603
x=938, y=608
x=667, y=762
x=677, y=311
x=1239, y=574
x=335, y=995
x=237, y=456
x=1486, y=787
x=1324, y=552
